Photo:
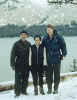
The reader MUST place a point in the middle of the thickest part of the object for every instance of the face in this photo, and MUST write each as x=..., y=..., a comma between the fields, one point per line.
x=37, y=41
x=50, y=31
x=23, y=36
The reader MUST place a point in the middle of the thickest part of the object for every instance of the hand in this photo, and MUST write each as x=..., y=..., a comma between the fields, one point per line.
x=61, y=57
x=30, y=67
x=13, y=67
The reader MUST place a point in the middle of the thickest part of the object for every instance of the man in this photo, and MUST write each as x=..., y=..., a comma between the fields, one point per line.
x=20, y=63
x=56, y=51
x=37, y=64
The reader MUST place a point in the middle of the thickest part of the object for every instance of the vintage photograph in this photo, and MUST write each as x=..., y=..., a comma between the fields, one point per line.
x=38, y=53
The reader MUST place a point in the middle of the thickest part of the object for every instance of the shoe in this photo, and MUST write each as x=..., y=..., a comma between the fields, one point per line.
x=55, y=88
x=49, y=91
x=55, y=92
x=25, y=93
x=42, y=91
x=36, y=93
x=17, y=95
x=36, y=90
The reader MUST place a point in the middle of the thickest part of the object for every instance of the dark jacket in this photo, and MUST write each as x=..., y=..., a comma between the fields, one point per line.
x=55, y=48
x=20, y=55
x=37, y=55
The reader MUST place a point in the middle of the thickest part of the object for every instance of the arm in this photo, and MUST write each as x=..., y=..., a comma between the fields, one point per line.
x=13, y=57
x=45, y=59
x=44, y=41
x=62, y=46
x=30, y=55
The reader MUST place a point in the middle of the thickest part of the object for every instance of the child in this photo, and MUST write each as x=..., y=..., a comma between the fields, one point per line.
x=37, y=64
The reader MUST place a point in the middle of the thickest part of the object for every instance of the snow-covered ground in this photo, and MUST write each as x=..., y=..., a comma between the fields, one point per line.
x=67, y=91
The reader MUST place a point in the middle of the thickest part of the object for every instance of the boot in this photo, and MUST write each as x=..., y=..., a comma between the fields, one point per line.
x=17, y=91
x=17, y=94
x=42, y=91
x=24, y=92
x=55, y=91
x=49, y=91
x=36, y=90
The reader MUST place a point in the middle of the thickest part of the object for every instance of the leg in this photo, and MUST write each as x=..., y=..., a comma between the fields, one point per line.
x=25, y=77
x=34, y=76
x=18, y=81
x=35, y=79
x=56, y=76
x=40, y=75
x=49, y=78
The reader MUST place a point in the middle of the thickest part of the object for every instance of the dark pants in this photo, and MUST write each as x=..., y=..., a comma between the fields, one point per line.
x=21, y=81
x=37, y=74
x=53, y=70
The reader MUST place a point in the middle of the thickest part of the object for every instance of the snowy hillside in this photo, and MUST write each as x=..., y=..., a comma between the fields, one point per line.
x=35, y=12
x=67, y=91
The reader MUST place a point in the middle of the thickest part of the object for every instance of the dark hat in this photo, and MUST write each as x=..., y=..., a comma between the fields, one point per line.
x=24, y=32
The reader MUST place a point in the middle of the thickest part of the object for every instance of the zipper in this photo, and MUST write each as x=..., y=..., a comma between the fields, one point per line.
x=37, y=55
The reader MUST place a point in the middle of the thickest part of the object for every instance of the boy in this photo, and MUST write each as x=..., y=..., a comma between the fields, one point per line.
x=37, y=64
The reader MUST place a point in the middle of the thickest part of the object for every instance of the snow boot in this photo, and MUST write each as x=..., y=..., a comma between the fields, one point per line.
x=17, y=94
x=55, y=91
x=42, y=91
x=49, y=91
x=36, y=90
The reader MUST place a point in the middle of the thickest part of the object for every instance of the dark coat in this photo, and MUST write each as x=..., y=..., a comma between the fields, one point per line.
x=37, y=55
x=20, y=55
x=55, y=48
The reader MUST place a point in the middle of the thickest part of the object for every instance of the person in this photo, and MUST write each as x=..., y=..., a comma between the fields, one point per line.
x=19, y=62
x=37, y=64
x=55, y=52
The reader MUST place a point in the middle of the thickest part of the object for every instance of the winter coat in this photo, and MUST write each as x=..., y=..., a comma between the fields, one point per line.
x=37, y=55
x=55, y=48
x=20, y=55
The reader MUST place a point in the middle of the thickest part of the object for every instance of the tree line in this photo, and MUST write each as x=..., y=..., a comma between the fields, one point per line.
x=12, y=30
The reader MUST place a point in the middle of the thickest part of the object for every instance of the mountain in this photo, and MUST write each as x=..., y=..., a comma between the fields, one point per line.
x=12, y=30
x=31, y=12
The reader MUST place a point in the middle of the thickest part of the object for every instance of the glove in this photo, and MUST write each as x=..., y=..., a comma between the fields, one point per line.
x=13, y=67
x=61, y=57
x=30, y=67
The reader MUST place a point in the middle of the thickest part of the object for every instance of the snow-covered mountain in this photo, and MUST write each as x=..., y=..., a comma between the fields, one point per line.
x=29, y=12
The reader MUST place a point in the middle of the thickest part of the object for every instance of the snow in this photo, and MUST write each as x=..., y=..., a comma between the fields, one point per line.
x=69, y=73
x=67, y=91
x=29, y=11
x=6, y=83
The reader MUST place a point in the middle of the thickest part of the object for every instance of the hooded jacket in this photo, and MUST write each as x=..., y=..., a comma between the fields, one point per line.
x=55, y=48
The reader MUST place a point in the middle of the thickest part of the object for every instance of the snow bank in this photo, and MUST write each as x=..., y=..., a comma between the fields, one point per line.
x=67, y=91
x=10, y=84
